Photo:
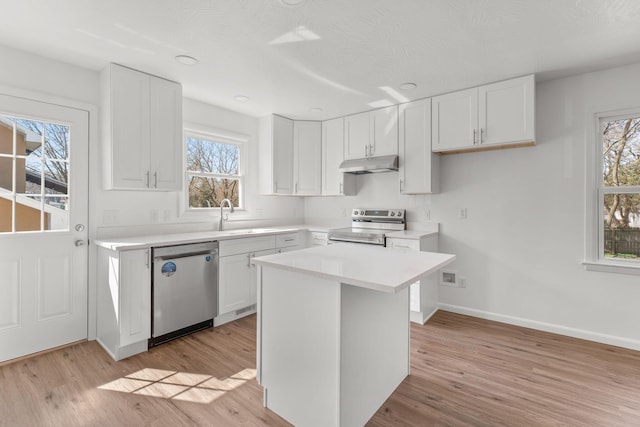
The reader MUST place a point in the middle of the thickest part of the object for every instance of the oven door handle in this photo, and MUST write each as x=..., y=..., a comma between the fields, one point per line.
x=355, y=240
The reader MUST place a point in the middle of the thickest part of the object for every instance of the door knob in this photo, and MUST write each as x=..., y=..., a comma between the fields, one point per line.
x=79, y=242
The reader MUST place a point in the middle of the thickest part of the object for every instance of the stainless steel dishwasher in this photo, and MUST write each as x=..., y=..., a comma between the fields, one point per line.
x=184, y=290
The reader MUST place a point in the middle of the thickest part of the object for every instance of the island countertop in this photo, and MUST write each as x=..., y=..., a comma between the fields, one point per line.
x=366, y=266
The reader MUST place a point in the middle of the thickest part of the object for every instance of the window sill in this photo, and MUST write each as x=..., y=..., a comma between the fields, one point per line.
x=619, y=267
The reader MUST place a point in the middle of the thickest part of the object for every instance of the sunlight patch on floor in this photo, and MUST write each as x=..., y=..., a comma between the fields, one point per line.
x=184, y=386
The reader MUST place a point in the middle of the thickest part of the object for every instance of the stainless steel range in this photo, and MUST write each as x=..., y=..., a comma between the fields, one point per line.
x=370, y=226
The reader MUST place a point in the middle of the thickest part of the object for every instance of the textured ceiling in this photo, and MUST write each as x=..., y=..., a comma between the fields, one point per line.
x=343, y=56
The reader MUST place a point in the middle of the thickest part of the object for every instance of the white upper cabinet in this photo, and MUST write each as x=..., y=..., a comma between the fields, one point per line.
x=491, y=116
x=166, y=134
x=455, y=120
x=418, y=167
x=307, y=148
x=506, y=113
x=371, y=134
x=334, y=182
x=356, y=136
x=384, y=134
x=276, y=155
x=142, y=131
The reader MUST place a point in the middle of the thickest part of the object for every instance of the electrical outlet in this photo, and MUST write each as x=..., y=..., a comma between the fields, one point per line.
x=463, y=282
x=427, y=214
x=462, y=213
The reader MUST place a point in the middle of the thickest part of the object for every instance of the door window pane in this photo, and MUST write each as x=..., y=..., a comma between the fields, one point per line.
x=40, y=195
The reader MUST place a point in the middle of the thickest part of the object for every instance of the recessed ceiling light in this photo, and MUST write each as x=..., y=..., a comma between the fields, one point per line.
x=291, y=2
x=316, y=110
x=408, y=86
x=241, y=98
x=186, y=60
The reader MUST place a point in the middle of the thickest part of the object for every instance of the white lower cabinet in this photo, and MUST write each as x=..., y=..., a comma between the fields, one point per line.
x=423, y=295
x=317, y=238
x=237, y=285
x=124, y=301
x=290, y=242
x=236, y=280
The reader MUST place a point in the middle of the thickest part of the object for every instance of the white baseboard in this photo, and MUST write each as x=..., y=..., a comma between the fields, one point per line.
x=421, y=317
x=542, y=326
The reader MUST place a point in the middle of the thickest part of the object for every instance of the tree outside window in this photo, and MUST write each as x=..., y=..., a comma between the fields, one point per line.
x=620, y=186
x=213, y=172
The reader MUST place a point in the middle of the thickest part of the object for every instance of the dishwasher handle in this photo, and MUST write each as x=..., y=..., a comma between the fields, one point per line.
x=186, y=255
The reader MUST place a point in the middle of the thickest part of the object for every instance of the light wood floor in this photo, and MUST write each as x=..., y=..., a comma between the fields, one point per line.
x=464, y=371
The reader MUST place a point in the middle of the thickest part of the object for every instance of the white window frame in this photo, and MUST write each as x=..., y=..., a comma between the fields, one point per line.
x=594, y=259
x=215, y=135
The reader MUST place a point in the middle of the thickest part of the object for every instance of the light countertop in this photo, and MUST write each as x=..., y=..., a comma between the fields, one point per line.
x=155, y=240
x=411, y=234
x=367, y=266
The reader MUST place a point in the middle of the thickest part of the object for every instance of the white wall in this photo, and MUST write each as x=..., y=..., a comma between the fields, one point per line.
x=521, y=247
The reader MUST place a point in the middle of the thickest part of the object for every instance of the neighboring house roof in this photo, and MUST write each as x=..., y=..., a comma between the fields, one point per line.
x=31, y=138
x=53, y=184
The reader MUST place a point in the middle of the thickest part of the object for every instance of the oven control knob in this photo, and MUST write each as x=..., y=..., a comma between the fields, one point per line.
x=399, y=213
x=355, y=212
x=361, y=212
x=393, y=213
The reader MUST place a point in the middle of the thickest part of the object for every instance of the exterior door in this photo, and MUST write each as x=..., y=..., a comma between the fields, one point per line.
x=43, y=225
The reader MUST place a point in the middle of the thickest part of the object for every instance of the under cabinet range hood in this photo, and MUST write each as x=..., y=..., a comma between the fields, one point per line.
x=370, y=165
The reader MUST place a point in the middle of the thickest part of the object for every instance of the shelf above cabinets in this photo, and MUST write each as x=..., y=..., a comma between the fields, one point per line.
x=142, y=131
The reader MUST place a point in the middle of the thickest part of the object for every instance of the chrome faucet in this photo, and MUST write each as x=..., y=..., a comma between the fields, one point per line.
x=230, y=211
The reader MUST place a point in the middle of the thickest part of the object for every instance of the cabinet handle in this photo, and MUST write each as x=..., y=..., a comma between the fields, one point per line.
x=366, y=151
x=296, y=188
x=481, y=132
x=146, y=258
x=147, y=179
x=340, y=192
x=402, y=246
x=474, y=137
x=248, y=260
x=155, y=179
x=278, y=251
x=401, y=185
x=289, y=240
x=372, y=150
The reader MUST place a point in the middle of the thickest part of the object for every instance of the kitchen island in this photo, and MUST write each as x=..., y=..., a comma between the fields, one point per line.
x=333, y=329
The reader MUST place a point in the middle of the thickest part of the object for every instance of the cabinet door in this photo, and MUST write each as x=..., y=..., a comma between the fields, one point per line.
x=334, y=182
x=282, y=155
x=356, y=136
x=455, y=120
x=135, y=296
x=234, y=282
x=384, y=128
x=129, y=105
x=506, y=111
x=332, y=156
x=317, y=238
x=418, y=167
x=307, y=157
x=166, y=134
